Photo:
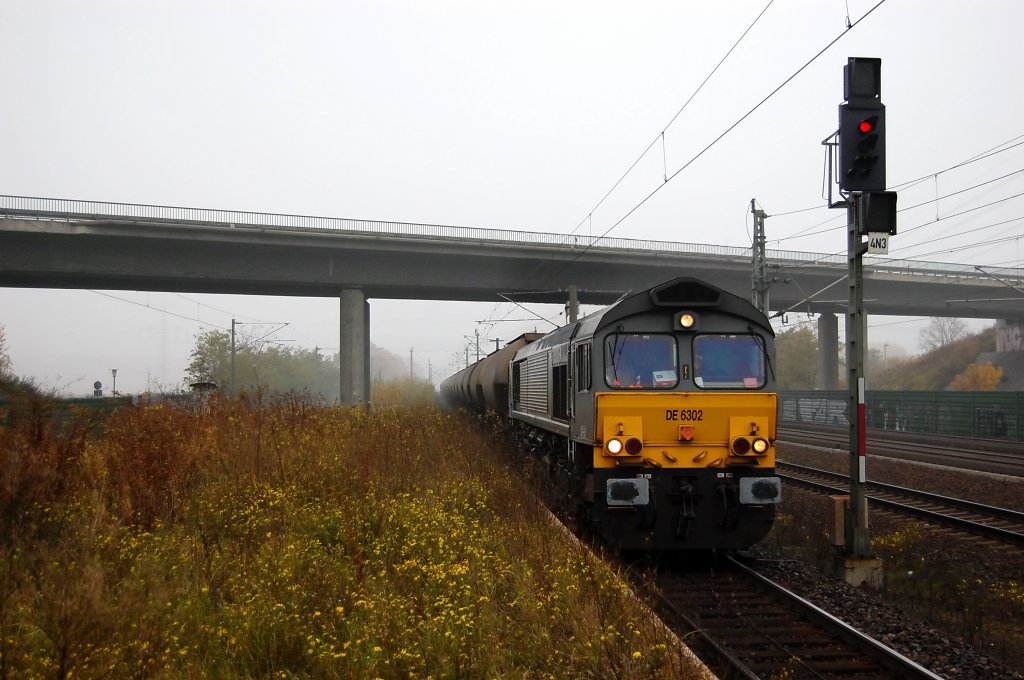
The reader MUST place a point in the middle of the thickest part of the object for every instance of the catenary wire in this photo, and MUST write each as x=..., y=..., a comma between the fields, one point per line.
x=726, y=132
x=918, y=205
x=984, y=154
x=661, y=135
x=156, y=309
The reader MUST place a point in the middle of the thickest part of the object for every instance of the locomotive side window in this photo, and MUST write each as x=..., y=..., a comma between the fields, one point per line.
x=728, y=362
x=583, y=377
x=516, y=383
x=559, y=392
x=633, y=361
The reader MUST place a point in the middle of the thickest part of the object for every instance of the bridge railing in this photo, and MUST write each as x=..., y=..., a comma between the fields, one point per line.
x=76, y=210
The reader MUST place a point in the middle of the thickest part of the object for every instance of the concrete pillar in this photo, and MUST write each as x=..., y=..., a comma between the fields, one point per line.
x=1009, y=335
x=828, y=352
x=572, y=307
x=354, y=348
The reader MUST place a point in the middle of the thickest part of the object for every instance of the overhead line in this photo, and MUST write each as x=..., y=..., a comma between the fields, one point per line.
x=156, y=309
x=728, y=130
x=661, y=134
x=984, y=154
x=918, y=205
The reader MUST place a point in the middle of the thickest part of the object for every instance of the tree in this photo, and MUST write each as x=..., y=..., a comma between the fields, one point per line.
x=211, y=358
x=277, y=367
x=978, y=378
x=796, y=358
x=941, y=331
x=5, y=358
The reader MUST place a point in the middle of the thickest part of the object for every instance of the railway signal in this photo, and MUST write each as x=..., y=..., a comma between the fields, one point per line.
x=877, y=213
x=862, y=127
x=871, y=211
x=862, y=148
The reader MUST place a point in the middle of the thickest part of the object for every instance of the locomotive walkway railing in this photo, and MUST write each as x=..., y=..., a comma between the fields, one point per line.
x=28, y=207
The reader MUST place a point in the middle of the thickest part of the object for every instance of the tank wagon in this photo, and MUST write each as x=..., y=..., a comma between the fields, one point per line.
x=656, y=415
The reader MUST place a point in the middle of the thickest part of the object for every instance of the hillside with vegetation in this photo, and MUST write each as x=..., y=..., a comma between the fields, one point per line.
x=948, y=363
x=934, y=370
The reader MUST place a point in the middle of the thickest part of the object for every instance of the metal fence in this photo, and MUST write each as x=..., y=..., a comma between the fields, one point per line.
x=982, y=415
x=28, y=207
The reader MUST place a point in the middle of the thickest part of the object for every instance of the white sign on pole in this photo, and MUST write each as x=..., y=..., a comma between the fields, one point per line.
x=878, y=243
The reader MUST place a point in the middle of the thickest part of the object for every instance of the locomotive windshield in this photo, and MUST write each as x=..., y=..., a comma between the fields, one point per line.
x=728, y=362
x=640, y=361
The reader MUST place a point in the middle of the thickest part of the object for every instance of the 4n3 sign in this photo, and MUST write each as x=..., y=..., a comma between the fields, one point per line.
x=878, y=244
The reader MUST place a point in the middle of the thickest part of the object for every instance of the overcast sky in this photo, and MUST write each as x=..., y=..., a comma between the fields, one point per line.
x=489, y=114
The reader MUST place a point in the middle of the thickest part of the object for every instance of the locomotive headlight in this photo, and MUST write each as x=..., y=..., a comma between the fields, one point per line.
x=741, y=446
x=614, y=446
x=686, y=321
x=759, y=445
x=634, y=446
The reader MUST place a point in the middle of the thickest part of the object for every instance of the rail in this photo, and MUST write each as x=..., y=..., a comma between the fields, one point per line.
x=997, y=523
x=32, y=207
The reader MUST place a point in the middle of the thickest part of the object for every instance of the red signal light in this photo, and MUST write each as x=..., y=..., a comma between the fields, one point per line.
x=866, y=126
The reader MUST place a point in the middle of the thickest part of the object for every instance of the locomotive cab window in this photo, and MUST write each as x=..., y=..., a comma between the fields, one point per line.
x=728, y=362
x=634, y=361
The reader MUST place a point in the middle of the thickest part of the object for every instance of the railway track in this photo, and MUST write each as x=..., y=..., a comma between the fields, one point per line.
x=743, y=625
x=996, y=457
x=1004, y=525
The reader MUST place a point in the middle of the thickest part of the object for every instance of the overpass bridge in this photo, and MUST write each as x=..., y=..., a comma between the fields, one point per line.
x=59, y=243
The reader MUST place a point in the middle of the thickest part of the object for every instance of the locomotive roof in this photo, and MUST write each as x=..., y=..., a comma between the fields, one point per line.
x=683, y=293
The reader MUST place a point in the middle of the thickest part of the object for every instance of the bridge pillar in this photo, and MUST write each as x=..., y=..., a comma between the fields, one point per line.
x=1009, y=335
x=354, y=348
x=828, y=352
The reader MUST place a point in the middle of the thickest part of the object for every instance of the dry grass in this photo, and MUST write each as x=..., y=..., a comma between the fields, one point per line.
x=276, y=538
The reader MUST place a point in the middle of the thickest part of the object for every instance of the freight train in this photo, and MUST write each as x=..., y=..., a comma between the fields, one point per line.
x=656, y=416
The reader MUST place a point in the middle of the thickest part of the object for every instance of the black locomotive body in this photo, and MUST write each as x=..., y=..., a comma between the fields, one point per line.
x=657, y=415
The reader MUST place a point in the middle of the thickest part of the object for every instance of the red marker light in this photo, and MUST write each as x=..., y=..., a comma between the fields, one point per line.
x=866, y=126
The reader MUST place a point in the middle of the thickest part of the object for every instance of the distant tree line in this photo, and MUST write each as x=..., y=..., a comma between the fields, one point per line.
x=283, y=368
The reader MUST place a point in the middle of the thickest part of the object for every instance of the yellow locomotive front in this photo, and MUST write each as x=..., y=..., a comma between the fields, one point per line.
x=685, y=470
x=684, y=431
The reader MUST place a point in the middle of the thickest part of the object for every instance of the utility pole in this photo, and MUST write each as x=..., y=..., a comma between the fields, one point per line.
x=858, y=541
x=410, y=363
x=231, y=389
x=759, y=276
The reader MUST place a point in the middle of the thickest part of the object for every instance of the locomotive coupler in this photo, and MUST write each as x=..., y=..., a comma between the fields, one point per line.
x=728, y=491
x=687, y=511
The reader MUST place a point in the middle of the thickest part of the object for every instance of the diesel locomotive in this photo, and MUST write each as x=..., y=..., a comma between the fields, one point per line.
x=656, y=416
